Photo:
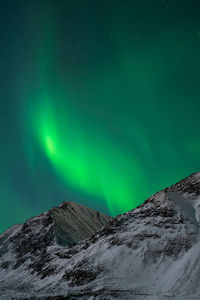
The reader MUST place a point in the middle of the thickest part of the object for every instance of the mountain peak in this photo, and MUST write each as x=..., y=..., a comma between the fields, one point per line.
x=190, y=184
x=74, y=222
x=150, y=252
x=66, y=204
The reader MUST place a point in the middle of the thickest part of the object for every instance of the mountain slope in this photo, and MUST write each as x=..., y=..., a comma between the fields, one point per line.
x=151, y=252
x=25, y=249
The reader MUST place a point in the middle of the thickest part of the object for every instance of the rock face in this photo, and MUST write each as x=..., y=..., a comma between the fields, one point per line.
x=26, y=249
x=74, y=223
x=151, y=252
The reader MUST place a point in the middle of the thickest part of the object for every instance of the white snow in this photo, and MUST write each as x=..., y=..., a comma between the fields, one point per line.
x=150, y=253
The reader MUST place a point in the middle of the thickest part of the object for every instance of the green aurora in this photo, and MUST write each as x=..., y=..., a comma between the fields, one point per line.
x=103, y=101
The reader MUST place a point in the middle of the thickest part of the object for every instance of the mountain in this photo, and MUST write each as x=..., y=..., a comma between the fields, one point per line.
x=149, y=253
x=27, y=250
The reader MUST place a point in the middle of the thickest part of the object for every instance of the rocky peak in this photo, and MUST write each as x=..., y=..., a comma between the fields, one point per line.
x=74, y=222
x=64, y=225
x=190, y=185
x=150, y=252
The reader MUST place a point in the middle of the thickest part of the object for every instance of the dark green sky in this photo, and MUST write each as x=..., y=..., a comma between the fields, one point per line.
x=99, y=102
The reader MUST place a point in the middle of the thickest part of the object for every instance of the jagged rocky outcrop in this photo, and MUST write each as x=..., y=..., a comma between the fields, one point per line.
x=74, y=223
x=26, y=248
x=151, y=252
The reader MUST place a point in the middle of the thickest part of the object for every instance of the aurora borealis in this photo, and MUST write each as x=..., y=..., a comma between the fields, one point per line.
x=100, y=102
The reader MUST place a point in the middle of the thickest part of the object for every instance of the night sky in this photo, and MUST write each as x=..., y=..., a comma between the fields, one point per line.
x=99, y=102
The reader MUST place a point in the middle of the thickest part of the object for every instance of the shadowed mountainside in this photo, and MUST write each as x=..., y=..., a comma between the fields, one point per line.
x=151, y=252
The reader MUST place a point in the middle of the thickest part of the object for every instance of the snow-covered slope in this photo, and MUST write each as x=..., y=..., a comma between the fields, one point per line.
x=151, y=252
x=25, y=249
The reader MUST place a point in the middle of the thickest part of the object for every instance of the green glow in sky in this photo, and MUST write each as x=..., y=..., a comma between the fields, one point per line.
x=100, y=102
x=51, y=149
x=87, y=158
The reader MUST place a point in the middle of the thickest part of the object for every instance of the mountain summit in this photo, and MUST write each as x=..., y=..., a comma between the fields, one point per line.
x=26, y=249
x=151, y=252
x=74, y=223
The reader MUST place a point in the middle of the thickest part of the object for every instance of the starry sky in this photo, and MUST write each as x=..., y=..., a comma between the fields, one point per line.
x=99, y=102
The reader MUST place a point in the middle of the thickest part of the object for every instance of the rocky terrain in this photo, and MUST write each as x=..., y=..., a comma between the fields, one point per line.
x=151, y=252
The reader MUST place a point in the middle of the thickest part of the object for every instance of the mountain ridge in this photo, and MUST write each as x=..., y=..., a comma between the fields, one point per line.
x=150, y=252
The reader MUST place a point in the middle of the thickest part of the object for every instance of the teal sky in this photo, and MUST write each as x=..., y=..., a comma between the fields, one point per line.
x=99, y=102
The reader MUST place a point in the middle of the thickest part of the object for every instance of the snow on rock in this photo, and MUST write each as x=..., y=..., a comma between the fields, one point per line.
x=26, y=250
x=151, y=252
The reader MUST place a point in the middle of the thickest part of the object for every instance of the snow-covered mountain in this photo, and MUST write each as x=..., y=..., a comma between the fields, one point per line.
x=26, y=249
x=151, y=252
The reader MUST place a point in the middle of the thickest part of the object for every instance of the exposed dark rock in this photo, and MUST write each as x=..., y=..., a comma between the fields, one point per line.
x=73, y=252
x=80, y=276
